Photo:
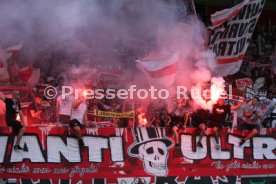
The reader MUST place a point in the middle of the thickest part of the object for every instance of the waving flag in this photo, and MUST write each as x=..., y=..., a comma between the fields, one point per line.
x=14, y=48
x=3, y=63
x=220, y=17
x=4, y=74
x=3, y=59
x=29, y=75
x=160, y=68
x=231, y=30
x=6, y=54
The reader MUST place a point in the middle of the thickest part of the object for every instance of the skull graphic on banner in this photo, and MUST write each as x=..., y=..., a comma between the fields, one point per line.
x=151, y=147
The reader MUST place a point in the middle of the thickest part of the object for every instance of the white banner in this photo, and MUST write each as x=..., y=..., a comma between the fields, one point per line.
x=231, y=30
x=250, y=93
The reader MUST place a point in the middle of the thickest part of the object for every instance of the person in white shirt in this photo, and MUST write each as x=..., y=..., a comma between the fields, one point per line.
x=252, y=116
x=79, y=117
x=64, y=108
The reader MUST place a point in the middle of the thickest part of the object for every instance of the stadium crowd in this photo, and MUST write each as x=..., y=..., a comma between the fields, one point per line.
x=256, y=111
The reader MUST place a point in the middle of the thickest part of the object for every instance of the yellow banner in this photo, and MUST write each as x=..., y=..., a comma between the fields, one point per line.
x=108, y=114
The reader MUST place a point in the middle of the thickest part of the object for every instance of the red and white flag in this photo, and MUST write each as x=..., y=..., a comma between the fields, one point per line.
x=29, y=75
x=4, y=74
x=173, y=42
x=160, y=68
x=231, y=30
x=5, y=54
x=14, y=48
x=222, y=16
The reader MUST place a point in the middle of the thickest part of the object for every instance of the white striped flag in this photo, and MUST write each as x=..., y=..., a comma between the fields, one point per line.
x=222, y=16
x=160, y=68
x=231, y=31
x=29, y=75
x=15, y=48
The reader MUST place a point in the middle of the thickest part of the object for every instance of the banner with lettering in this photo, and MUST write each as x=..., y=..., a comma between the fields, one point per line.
x=146, y=153
x=250, y=93
x=160, y=180
x=109, y=114
x=231, y=31
x=243, y=83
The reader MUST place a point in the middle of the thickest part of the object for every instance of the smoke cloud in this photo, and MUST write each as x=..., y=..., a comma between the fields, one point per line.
x=114, y=33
